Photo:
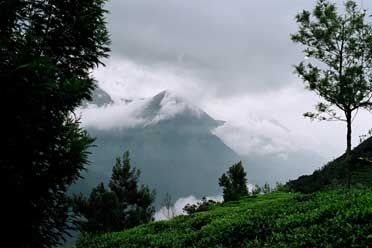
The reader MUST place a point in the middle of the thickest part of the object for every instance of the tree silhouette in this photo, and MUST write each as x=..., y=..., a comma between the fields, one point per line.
x=126, y=204
x=135, y=200
x=47, y=51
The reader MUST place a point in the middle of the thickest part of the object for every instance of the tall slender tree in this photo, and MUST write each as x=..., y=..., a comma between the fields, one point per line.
x=338, y=45
x=47, y=50
x=135, y=200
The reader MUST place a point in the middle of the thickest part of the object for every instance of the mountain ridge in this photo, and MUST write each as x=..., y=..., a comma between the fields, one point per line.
x=168, y=133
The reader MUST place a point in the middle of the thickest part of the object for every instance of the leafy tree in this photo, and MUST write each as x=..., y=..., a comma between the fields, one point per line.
x=47, y=50
x=135, y=201
x=234, y=183
x=340, y=46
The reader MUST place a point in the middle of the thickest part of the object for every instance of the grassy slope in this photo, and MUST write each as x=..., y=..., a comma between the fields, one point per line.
x=325, y=219
x=333, y=174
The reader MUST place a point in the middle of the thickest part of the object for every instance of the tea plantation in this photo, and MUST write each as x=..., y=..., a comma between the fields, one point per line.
x=332, y=218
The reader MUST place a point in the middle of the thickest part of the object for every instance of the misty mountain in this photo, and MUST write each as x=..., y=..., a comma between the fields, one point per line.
x=172, y=144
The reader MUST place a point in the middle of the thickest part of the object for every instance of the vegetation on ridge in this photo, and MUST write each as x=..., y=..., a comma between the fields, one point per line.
x=334, y=173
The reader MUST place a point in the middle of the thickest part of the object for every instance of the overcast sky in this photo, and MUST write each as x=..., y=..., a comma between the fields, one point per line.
x=234, y=59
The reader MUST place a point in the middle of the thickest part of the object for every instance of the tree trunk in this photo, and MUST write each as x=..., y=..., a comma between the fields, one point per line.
x=348, y=148
x=348, y=135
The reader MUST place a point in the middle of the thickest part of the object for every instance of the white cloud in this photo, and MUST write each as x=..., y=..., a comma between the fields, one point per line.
x=268, y=122
x=181, y=203
x=233, y=60
x=273, y=123
x=122, y=78
x=116, y=115
x=220, y=42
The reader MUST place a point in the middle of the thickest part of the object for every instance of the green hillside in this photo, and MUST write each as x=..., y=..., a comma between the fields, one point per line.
x=334, y=218
x=322, y=214
x=334, y=173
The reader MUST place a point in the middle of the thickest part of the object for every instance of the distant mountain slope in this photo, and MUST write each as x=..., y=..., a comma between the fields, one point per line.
x=171, y=143
x=99, y=98
x=334, y=172
x=272, y=168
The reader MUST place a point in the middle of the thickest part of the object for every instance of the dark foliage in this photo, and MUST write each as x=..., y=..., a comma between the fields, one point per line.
x=100, y=211
x=47, y=49
x=234, y=183
x=135, y=200
x=125, y=205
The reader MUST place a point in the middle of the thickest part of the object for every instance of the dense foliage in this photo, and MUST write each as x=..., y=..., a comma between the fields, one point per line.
x=126, y=204
x=47, y=50
x=324, y=219
x=234, y=183
x=100, y=212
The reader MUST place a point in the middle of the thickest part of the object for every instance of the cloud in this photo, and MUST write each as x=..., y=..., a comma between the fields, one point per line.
x=116, y=115
x=233, y=47
x=123, y=78
x=217, y=42
x=273, y=123
x=269, y=123
x=181, y=203
x=232, y=59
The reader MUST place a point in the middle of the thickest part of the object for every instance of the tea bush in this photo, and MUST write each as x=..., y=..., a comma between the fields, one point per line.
x=334, y=218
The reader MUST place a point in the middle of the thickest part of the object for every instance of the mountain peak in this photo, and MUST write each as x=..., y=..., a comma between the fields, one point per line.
x=166, y=104
x=167, y=95
x=164, y=108
x=168, y=107
x=162, y=94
